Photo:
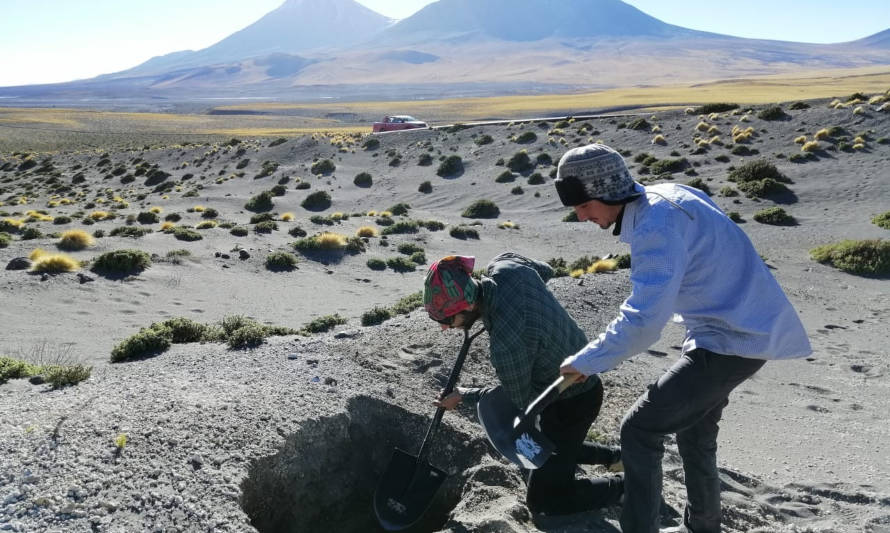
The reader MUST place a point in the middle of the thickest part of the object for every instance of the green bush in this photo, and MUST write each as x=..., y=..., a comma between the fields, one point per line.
x=463, y=232
x=484, y=139
x=266, y=226
x=363, y=179
x=772, y=112
x=401, y=227
x=181, y=330
x=401, y=264
x=276, y=142
x=622, y=261
x=371, y=144
x=762, y=188
x=281, y=261
x=317, y=201
x=322, y=324
x=798, y=106
x=699, y=184
x=248, y=336
x=323, y=166
x=520, y=162
x=187, y=234
x=431, y=225
x=375, y=316
x=536, y=179
x=757, y=170
x=399, y=209
x=639, y=124
x=148, y=217
x=5, y=239
x=15, y=369
x=278, y=190
x=774, y=216
x=425, y=187
x=728, y=192
x=882, y=220
x=669, y=165
x=867, y=257
x=31, y=233
x=452, y=165
x=261, y=217
x=260, y=202
x=61, y=219
x=425, y=160
x=517, y=190
x=707, y=109
x=125, y=261
x=148, y=342
x=571, y=216
x=505, y=177
x=376, y=264
x=544, y=159
x=408, y=248
x=735, y=216
x=129, y=231
x=481, y=209
x=296, y=231
x=526, y=137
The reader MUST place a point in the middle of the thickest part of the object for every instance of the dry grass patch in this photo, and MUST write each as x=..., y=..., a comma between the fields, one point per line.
x=54, y=263
x=811, y=146
x=366, y=231
x=287, y=217
x=75, y=239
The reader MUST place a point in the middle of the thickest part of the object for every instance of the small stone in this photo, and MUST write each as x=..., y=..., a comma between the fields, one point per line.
x=18, y=263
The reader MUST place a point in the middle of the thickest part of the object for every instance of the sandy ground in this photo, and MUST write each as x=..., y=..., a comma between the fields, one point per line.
x=803, y=444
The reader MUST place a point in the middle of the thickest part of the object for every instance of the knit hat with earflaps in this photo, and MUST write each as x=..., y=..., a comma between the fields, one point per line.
x=595, y=172
x=449, y=287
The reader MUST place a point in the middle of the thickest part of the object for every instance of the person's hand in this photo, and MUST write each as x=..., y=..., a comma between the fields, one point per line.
x=570, y=371
x=449, y=402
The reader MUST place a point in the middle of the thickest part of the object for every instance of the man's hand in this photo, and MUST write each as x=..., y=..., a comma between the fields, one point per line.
x=449, y=402
x=568, y=370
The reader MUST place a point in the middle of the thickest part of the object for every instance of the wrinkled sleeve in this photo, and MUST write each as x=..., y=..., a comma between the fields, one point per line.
x=511, y=361
x=658, y=264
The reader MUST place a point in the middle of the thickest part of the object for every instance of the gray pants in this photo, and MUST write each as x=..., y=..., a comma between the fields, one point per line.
x=687, y=400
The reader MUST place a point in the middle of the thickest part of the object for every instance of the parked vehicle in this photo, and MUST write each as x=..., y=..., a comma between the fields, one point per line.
x=398, y=122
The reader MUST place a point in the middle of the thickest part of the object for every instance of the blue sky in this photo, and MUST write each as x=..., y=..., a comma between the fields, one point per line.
x=46, y=41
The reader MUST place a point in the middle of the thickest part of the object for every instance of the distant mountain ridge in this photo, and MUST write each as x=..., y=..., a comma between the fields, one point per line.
x=459, y=48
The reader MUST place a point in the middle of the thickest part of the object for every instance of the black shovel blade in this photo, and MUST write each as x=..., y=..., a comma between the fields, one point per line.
x=405, y=491
x=518, y=440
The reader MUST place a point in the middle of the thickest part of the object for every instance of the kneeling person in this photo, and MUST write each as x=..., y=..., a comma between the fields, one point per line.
x=530, y=334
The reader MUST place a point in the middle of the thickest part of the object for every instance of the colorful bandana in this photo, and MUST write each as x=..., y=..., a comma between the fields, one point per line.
x=449, y=287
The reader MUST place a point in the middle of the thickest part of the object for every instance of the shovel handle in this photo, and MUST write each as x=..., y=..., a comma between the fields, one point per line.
x=449, y=387
x=550, y=395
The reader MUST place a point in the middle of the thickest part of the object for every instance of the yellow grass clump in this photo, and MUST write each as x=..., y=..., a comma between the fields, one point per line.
x=800, y=140
x=822, y=134
x=859, y=140
x=508, y=225
x=52, y=203
x=99, y=215
x=885, y=108
x=372, y=213
x=834, y=103
x=330, y=241
x=877, y=99
x=199, y=209
x=713, y=130
x=713, y=116
x=366, y=231
x=656, y=129
x=156, y=210
x=75, y=239
x=745, y=118
x=810, y=146
x=702, y=126
x=167, y=226
x=37, y=253
x=100, y=200
x=65, y=201
x=603, y=265
x=287, y=217
x=337, y=216
x=858, y=111
x=715, y=140
x=577, y=273
x=385, y=213
x=858, y=146
x=659, y=139
x=35, y=216
x=165, y=197
x=207, y=224
x=689, y=111
x=55, y=263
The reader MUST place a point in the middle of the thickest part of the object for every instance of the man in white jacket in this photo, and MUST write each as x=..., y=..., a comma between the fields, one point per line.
x=689, y=261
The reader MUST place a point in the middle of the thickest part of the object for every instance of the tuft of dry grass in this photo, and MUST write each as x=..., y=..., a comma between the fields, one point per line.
x=206, y=224
x=330, y=241
x=287, y=217
x=366, y=231
x=99, y=215
x=659, y=139
x=811, y=146
x=156, y=210
x=603, y=265
x=822, y=134
x=37, y=253
x=53, y=263
x=167, y=226
x=75, y=239
x=800, y=140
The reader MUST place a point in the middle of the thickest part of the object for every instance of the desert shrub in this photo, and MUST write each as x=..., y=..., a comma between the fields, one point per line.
x=278, y=190
x=75, y=239
x=571, y=216
x=206, y=224
x=425, y=160
x=796, y=106
x=371, y=144
x=266, y=226
x=699, y=184
x=811, y=146
x=408, y=248
x=868, y=257
x=536, y=179
x=186, y=234
x=707, y=109
x=520, y=162
x=722, y=158
x=669, y=165
x=735, y=216
x=401, y=264
x=247, y=336
x=31, y=233
x=426, y=187
x=526, y=137
x=15, y=369
x=125, y=261
x=302, y=185
x=260, y=202
x=173, y=217
x=772, y=112
x=276, y=142
x=317, y=201
x=774, y=216
x=418, y=258
x=376, y=264
x=431, y=225
x=757, y=170
x=182, y=330
x=484, y=139
x=762, y=188
x=385, y=221
x=728, y=192
x=61, y=219
x=129, y=231
x=452, y=165
x=296, y=231
x=5, y=239
x=481, y=209
x=505, y=177
x=148, y=217
x=322, y=241
x=741, y=149
x=363, y=179
x=366, y=231
x=55, y=263
x=322, y=324
x=399, y=209
x=146, y=343
x=463, y=232
x=277, y=261
x=376, y=315
x=401, y=227
x=323, y=166
x=261, y=217
x=517, y=190
x=882, y=220
x=640, y=124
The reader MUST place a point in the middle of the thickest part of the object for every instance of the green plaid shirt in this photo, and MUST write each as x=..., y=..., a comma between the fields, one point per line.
x=530, y=332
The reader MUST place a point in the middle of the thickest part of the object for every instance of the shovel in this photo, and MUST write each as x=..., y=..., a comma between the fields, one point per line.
x=513, y=433
x=410, y=483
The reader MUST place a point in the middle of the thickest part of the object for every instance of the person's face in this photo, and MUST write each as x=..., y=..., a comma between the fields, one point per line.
x=597, y=212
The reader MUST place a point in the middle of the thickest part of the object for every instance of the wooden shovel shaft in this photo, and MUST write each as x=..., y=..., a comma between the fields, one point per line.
x=449, y=387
